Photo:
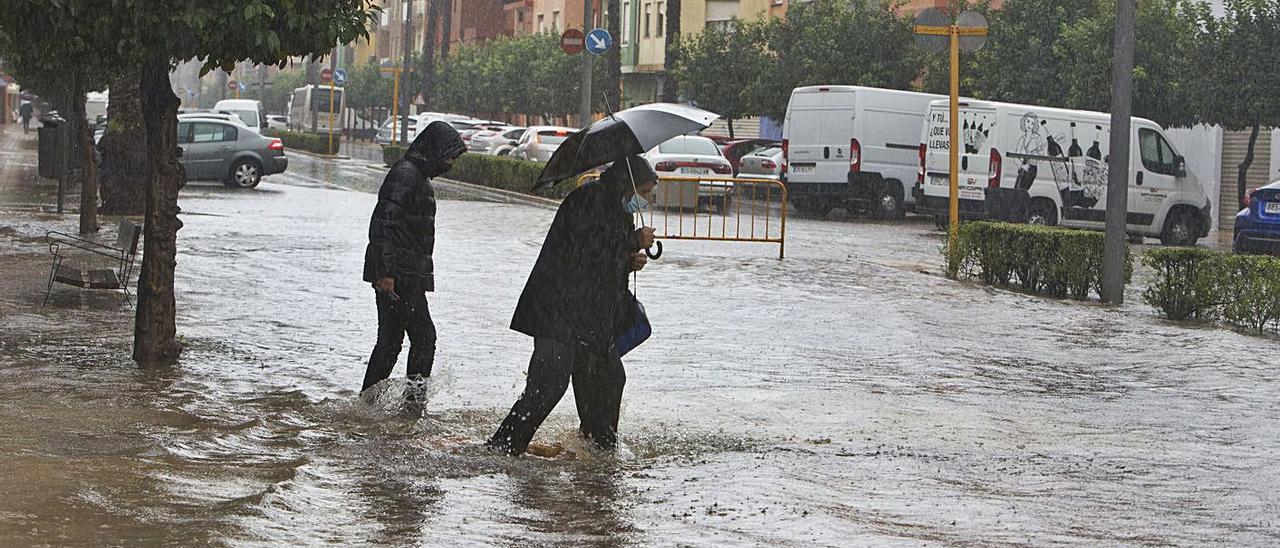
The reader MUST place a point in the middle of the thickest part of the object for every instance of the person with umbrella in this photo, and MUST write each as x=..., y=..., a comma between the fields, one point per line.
x=398, y=262
x=576, y=304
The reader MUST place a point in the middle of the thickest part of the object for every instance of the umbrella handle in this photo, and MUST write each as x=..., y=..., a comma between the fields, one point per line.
x=653, y=255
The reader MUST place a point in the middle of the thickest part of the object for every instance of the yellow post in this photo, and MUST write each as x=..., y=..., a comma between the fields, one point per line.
x=395, y=105
x=954, y=229
x=330, y=149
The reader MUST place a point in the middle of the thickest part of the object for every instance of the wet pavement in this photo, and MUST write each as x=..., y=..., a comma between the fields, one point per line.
x=845, y=396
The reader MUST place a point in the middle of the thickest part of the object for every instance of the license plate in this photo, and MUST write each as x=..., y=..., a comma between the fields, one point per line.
x=696, y=170
x=802, y=169
x=1272, y=208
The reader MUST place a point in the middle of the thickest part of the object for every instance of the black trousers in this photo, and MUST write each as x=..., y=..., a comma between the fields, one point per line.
x=597, y=387
x=409, y=315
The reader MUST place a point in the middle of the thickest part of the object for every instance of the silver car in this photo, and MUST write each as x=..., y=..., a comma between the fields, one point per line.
x=540, y=142
x=218, y=150
x=497, y=142
x=762, y=164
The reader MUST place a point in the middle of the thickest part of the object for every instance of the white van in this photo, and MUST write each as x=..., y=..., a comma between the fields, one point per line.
x=852, y=146
x=1059, y=157
x=249, y=110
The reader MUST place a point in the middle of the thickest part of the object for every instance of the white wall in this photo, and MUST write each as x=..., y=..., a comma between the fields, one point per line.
x=1202, y=147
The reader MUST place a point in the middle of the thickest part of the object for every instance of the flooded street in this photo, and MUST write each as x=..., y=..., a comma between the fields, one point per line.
x=847, y=395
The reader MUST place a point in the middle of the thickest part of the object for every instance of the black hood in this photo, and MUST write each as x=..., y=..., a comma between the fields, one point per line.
x=435, y=144
x=616, y=177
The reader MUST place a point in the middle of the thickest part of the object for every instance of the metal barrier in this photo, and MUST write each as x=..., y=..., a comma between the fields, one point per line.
x=718, y=209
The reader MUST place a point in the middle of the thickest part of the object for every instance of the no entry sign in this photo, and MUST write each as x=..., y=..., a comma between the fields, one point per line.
x=572, y=41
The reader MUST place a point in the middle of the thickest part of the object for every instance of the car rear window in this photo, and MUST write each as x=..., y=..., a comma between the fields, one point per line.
x=552, y=136
x=700, y=147
x=768, y=152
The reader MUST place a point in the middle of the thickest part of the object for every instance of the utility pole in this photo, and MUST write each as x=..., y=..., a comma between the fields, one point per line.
x=407, y=36
x=588, y=20
x=1115, y=248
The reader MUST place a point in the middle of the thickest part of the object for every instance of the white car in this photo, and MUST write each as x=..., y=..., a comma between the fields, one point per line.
x=692, y=156
x=762, y=164
x=496, y=142
x=276, y=121
x=540, y=142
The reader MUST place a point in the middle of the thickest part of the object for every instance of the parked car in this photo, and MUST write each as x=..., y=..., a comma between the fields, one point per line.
x=503, y=143
x=479, y=141
x=389, y=127
x=734, y=151
x=221, y=116
x=1055, y=160
x=540, y=142
x=762, y=164
x=691, y=156
x=276, y=121
x=249, y=110
x=1258, y=225
x=219, y=150
x=484, y=127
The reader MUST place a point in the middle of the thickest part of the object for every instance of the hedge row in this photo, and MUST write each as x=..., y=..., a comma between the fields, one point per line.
x=310, y=142
x=1057, y=262
x=1243, y=290
x=492, y=171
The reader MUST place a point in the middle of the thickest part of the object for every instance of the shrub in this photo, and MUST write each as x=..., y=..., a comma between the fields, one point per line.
x=1051, y=261
x=392, y=154
x=504, y=173
x=1185, y=283
x=311, y=142
x=1243, y=290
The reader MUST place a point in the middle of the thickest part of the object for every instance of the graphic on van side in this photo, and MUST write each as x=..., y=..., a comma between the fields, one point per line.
x=975, y=129
x=1080, y=176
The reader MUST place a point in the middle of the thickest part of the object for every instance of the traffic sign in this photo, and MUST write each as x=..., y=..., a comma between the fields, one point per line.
x=572, y=41
x=340, y=77
x=972, y=20
x=932, y=43
x=232, y=85
x=326, y=75
x=243, y=86
x=599, y=41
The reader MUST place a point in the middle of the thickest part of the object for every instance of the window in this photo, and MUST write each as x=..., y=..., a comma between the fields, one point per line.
x=542, y=24
x=648, y=19
x=1157, y=155
x=212, y=133
x=697, y=146
x=626, y=23
x=662, y=16
x=555, y=20
x=184, y=134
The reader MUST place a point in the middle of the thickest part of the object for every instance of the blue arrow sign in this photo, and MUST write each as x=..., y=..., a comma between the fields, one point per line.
x=340, y=76
x=243, y=86
x=599, y=41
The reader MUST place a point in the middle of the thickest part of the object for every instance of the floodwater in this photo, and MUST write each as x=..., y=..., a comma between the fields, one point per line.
x=845, y=396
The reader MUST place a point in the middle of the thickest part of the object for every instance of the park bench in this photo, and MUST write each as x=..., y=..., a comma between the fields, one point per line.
x=115, y=277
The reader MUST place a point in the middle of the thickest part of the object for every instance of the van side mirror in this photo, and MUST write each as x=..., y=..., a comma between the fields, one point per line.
x=1180, y=167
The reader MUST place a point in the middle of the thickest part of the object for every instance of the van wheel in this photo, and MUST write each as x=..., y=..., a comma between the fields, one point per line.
x=889, y=204
x=1043, y=212
x=1179, y=230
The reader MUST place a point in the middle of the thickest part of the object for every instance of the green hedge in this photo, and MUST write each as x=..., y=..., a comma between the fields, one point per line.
x=310, y=142
x=493, y=171
x=1243, y=290
x=1057, y=262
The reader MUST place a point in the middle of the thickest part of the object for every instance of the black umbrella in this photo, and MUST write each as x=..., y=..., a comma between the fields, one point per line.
x=632, y=131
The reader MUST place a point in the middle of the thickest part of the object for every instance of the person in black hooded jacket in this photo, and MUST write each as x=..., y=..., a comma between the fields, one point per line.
x=576, y=304
x=397, y=261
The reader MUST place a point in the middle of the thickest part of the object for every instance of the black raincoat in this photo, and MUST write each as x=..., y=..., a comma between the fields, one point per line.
x=577, y=293
x=402, y=230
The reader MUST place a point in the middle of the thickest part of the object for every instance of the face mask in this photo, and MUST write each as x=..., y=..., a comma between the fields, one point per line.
x=635, y=204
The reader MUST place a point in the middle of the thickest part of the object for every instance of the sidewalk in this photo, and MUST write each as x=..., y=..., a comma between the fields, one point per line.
x=20, y=184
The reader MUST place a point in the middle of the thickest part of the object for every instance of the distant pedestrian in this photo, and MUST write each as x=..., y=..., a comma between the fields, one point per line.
x=398, y=262
x=575, y=305
x=25, y=111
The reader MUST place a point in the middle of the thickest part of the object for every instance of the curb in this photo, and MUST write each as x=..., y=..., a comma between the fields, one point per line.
x=316, y=155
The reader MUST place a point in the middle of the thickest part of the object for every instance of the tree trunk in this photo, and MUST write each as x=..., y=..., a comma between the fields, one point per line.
x=612, y=86
x=446, y=25
x=670, y=91
x=730, y=122
x=122, y=178
x=88, y=168
x=154, y=333
x=429, y=50
x=1242, y=175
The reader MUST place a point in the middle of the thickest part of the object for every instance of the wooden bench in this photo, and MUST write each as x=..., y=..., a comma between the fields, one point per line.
x=125, y=254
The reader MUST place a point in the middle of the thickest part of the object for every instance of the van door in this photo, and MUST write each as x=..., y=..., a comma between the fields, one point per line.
x=821, y=125
x=977, y=134
x=1155, y=180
